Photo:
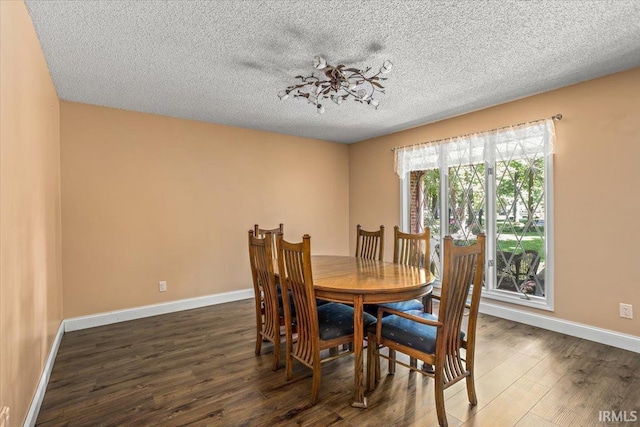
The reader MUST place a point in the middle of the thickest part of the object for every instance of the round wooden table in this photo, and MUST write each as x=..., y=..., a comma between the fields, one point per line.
x=357, y=281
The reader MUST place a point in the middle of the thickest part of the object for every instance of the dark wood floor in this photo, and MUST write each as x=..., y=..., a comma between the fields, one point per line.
x=198, y=368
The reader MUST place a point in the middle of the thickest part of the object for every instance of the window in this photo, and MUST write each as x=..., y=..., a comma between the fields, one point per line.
x=498, y=183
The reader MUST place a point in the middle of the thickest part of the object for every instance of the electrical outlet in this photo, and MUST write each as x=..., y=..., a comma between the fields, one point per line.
x=162, y=286
x=626, y=311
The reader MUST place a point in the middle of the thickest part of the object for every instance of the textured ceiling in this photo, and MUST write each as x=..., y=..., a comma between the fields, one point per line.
x=225, y=61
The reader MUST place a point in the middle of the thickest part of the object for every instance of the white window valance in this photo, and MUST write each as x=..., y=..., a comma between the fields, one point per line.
x=516, y=142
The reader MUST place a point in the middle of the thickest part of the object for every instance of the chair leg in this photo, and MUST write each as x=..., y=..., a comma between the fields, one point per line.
x=392, y=362
x=315, y=387
x=288, y=350
x=371, y=363
x=377, y=367
x=288, y=361
x=259, y=309
x=258, y=343
x=471, y=390
x=276, y=353
x=439, y=395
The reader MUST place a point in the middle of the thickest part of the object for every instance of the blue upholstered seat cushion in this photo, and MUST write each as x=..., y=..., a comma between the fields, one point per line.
x=336, y=320
x=319, y=302
x=291, y=304
x=412, y=304
x=410, y=333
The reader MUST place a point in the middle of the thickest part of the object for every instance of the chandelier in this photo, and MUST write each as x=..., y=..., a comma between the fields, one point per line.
x=338, y=84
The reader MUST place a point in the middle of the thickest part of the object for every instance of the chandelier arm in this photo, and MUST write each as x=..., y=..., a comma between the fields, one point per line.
x=306, y=79
x=368, y=79
x=294, y=87
x=310, y=99
x=354, y=94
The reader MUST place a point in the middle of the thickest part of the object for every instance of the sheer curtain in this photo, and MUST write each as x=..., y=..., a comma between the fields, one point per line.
x=493, y=183
x=515, y=142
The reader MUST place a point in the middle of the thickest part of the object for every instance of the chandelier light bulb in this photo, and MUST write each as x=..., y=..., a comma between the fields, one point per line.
x=338, y=83
x=283, y=94
x=319, y=62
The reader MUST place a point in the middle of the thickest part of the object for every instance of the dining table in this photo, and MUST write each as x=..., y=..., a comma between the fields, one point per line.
x=358, y=281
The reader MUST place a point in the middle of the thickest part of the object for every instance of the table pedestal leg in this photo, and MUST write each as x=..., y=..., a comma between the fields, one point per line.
x=359, y=401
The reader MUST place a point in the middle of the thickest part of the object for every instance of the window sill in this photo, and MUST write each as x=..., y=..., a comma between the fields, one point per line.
x=508, y=297
x=512, y=298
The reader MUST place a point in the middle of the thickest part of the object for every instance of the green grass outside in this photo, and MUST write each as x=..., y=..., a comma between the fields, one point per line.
x=507, y=243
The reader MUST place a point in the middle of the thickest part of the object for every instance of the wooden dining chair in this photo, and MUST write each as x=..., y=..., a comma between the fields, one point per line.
x=408, y=249
x=411, y=249
x=262, y=232
x=271, y=232
x=268, y=319
x=319, y=327
x=370, y=244
x=437, y=341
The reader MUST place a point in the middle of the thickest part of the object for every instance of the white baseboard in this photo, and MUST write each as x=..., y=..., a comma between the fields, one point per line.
x=84, y=322
x=591, y=333
x=101, y=319
x=36, y=402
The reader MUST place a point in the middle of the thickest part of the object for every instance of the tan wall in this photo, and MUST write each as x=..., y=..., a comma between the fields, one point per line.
x=597, y=193
x=148, y=198
x=30, y=272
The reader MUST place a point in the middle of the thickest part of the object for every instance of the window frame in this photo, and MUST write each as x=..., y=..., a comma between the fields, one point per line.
x=490, y=292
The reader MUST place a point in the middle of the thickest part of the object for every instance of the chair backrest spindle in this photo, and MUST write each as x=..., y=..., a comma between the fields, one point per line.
x=370, y=244
x=262, y=233
x=411, y=249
